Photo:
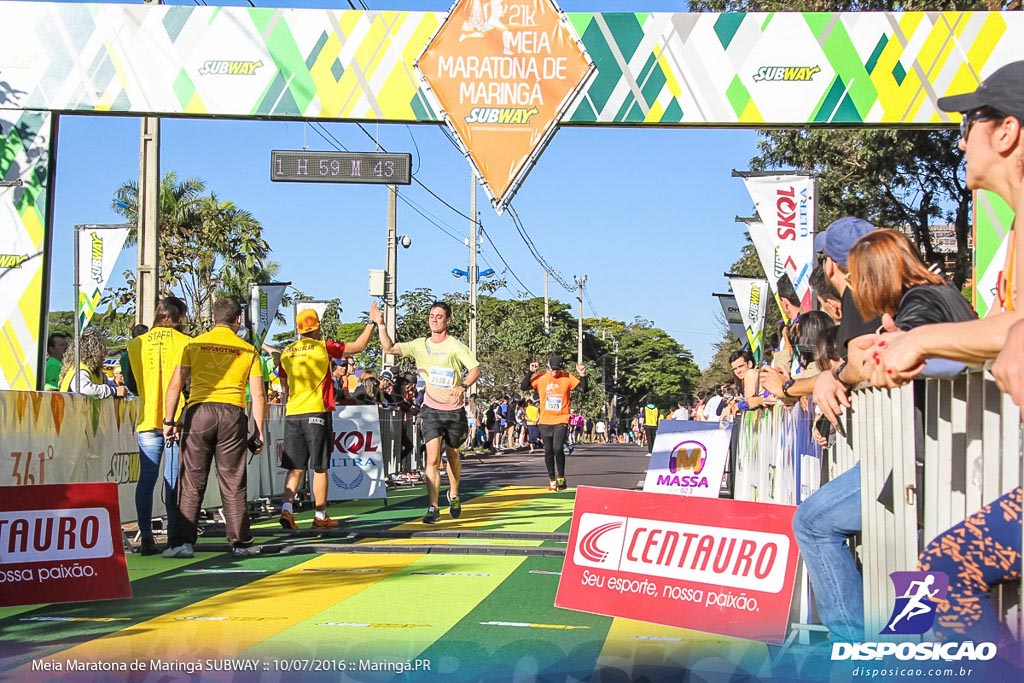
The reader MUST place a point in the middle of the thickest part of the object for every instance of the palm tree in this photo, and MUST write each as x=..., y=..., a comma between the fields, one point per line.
x=203, y=240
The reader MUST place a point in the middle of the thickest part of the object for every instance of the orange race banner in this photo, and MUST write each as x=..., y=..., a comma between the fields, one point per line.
x=504, y=72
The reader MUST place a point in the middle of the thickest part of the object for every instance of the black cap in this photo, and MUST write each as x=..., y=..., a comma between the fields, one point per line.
x=1003, y=91
x=556, y=362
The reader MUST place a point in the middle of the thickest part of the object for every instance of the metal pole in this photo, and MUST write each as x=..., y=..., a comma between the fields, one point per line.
x=78, y=314
x=547, y=316
x=473, y=277
x=391, y=271
x=580, y=281
x=148, y=230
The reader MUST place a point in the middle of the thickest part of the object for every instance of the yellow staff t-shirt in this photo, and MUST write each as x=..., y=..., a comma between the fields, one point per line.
x=153, y=358
x=221, y=365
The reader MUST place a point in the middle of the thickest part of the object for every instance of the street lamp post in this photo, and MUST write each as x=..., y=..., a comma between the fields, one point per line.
x=473, y=282
x=391, y=270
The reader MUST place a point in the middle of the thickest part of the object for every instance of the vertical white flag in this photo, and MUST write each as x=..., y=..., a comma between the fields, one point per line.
x=751, y=296
x=264, y=300
x=785, y=205
x=98, y=249
x=731, y=311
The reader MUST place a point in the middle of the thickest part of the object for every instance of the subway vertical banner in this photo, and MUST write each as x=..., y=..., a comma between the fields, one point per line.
x=24, y=176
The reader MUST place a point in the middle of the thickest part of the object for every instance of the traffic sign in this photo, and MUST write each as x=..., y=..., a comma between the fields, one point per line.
x=304, y=166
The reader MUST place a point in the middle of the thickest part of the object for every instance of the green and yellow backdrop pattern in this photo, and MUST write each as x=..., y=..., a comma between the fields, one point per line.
x=741, y=69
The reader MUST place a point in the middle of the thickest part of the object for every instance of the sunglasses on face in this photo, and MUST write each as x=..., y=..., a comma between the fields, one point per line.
x=968, y=119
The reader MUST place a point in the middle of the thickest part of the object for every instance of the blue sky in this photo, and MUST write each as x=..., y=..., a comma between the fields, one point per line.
x=646, y=214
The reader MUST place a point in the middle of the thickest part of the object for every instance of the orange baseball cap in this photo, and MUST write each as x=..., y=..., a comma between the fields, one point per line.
x=307, y=321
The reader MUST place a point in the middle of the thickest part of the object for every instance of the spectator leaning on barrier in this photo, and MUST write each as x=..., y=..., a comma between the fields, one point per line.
x=309, y=414
x=985, y=549
x=92, y=381
x=215, y=427
x=150, y=362
x=830, y=516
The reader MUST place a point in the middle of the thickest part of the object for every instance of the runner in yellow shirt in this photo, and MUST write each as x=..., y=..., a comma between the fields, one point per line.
x=448, y=368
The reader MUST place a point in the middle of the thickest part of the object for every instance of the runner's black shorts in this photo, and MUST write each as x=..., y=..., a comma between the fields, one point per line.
x=308, y=441
x=450, y=425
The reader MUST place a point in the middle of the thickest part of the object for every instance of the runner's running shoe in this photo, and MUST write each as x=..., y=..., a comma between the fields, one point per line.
x=433, y=514
x=572, y=447
x=553, y=486
x=325, y=523
x=454, y=506
x=560, y=483
x=245, y=550
x=288, y=520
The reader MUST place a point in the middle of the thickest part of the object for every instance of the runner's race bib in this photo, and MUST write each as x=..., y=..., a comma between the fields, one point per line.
x=553, y=404
x=442, y=377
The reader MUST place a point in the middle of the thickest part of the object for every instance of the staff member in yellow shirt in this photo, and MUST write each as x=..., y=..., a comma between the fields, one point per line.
x=309, y=420
x=152, y=359
x=215, y=425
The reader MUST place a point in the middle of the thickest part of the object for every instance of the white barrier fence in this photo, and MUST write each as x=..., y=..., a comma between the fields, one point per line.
x=61, y=438
x=951, y=446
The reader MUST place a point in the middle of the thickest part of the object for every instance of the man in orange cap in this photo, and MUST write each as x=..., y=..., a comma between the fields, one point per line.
x=308, y=429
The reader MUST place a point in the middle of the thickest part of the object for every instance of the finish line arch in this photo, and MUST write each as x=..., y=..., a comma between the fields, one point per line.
x=649, y=69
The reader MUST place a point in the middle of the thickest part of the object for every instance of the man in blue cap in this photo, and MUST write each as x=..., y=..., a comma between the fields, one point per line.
x=832, y=514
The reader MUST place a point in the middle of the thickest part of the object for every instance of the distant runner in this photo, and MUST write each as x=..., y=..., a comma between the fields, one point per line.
x=441, y=361
x=553, y=388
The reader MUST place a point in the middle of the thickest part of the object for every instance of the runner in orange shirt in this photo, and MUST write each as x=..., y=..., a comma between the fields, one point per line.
x=553, y=388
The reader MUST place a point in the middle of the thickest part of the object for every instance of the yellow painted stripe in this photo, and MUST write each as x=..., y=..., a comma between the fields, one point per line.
x=547, y=513
x=253, y=613
x=631, y=641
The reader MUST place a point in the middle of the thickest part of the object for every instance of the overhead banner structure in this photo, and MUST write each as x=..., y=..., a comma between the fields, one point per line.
x=731, y=311
x=751, y=297
x=96, y=250
x=993, y=219
x=720, y=567
x=25, y=139
x=61, y=543
x=264, y=300
x=786, y=207
x=649, y=68
x=688, y=459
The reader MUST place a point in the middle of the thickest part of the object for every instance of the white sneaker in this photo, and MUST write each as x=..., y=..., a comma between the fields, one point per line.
x=245, y=551
x=183, y=551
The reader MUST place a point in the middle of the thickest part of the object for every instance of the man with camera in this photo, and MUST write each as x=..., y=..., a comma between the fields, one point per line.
x=214, y=425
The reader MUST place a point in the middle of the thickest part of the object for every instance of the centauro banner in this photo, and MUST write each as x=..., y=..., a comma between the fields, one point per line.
x=722, y=566
x=785, y=204
x=24, y=161
x=98, y=249
x=751, y=296
x=504, y=72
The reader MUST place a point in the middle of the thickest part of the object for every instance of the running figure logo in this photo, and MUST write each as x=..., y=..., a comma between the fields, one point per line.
x=916, y=595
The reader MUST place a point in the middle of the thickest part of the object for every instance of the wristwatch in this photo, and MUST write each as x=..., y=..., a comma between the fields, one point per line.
x=785, y=387
x=169, y=423
x=839, y=372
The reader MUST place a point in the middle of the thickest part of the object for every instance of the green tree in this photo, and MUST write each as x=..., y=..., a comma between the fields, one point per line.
x=202, y=240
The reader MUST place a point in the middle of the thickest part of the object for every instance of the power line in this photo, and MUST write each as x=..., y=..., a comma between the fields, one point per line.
x=512, y=272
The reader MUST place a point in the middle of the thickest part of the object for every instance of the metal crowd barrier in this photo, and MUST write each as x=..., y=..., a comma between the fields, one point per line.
x=966, y=434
